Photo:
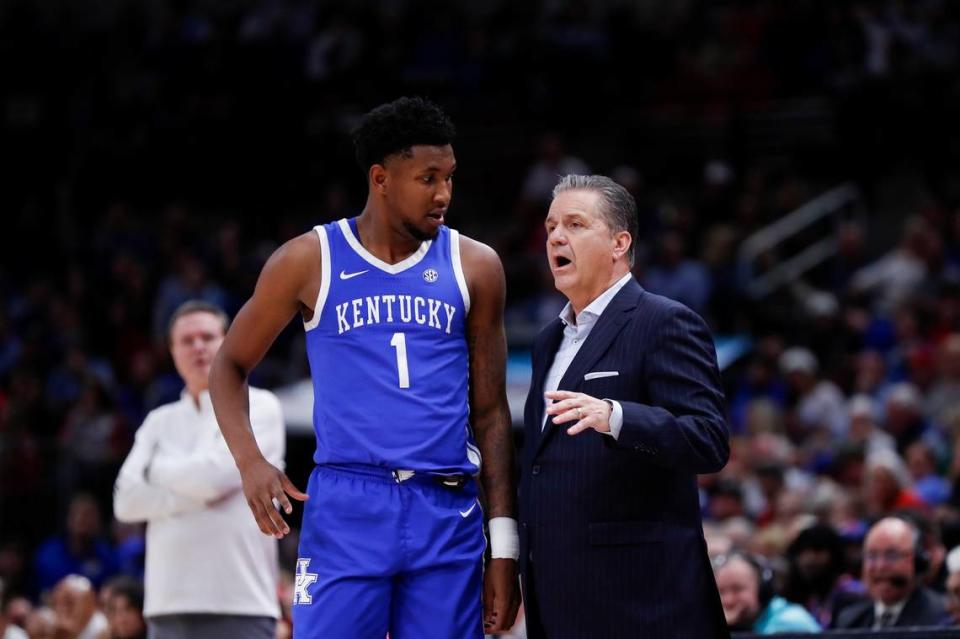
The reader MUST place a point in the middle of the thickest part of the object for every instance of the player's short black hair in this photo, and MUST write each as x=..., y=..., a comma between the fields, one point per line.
x=396, y=126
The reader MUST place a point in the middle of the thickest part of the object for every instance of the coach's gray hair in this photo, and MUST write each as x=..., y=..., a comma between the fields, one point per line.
x=616, y=205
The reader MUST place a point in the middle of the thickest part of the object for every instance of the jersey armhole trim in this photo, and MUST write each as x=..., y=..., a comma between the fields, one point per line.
x=458, y=269
x=324, y=279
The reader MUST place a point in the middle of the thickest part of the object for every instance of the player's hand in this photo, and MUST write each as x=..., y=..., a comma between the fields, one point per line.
x=586, y=411
x=501, y=595
x=262, y=484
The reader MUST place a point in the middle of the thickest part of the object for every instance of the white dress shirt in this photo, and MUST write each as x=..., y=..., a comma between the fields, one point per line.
x=575, y=333
x=13, y=632
x=205, y=552
x=96, y=627
x=894, y=609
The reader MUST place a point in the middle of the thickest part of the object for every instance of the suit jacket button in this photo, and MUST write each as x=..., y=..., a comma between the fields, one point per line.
x=535, y=470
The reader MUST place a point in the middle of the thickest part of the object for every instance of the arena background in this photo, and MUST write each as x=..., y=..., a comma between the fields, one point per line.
x=159, y=150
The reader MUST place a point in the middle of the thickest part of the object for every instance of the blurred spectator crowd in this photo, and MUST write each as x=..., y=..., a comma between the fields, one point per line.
x=158, y=151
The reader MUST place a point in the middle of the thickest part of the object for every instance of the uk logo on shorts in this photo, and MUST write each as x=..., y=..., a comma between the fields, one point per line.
x=303, y=581
x=430, y=275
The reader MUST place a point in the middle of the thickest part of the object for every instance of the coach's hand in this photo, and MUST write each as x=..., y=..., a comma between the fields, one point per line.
x=501, y=595
x=265, y=485
x=586, y=411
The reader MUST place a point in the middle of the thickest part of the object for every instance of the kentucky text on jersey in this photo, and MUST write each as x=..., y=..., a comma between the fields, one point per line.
x=404, y=309
x=394, y=335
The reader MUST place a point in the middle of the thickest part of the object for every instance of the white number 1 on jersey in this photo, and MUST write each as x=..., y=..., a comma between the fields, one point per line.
x=399, y=342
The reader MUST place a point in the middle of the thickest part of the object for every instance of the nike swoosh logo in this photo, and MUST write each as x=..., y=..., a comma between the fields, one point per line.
x=466, y=513
x=346, y=276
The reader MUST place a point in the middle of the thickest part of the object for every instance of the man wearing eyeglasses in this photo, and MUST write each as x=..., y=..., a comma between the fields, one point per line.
x=894, y=564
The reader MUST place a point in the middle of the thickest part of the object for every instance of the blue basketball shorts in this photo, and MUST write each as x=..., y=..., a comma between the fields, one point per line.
x=377, y=556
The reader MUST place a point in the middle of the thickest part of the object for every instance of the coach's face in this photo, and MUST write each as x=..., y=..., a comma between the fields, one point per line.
x=585, y=256
x=195, y=339
x=418, y=187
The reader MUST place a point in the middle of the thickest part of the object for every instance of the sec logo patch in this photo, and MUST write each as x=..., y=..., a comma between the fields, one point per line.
x=430, y=275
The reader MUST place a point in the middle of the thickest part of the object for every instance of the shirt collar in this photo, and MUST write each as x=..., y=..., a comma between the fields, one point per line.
x=895, y=609
x=597, y=306
x=206, y=404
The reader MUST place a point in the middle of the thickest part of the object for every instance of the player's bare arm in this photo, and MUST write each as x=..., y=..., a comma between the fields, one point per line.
x=288, y=284
x=489, y=411
x=490, y=417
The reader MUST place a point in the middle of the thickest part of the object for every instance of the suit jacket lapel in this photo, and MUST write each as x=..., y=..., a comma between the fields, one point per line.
x=608, y=326
x=547, y=350
x=914, y=610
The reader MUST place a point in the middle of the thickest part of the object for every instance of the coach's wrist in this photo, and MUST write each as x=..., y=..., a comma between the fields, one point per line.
x=504, y=538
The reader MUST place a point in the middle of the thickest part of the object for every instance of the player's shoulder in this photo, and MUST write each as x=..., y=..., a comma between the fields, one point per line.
x=475, y=247
x=294, y=262
x=304, y=246
x=477, y=255
x=484, y=274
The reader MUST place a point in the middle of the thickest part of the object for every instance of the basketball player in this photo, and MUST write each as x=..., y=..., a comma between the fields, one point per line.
x=405, y=339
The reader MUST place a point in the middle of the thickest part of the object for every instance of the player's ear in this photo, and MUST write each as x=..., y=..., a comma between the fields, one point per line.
x=378, y=177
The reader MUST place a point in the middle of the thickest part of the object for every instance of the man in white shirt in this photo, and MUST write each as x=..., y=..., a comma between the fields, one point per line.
x=209, y=571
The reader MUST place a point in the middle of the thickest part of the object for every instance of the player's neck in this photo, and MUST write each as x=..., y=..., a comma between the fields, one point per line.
x=382, y=239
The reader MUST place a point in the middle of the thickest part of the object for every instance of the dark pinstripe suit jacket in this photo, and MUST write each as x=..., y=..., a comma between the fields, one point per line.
x=610, y=530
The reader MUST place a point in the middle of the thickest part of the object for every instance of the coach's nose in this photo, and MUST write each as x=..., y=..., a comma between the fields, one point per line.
x=557, y=236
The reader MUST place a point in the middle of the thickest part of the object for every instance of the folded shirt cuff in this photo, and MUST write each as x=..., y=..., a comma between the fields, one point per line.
x=616, y=419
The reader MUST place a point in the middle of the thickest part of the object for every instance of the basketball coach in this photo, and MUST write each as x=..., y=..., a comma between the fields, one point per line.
x=624, y=410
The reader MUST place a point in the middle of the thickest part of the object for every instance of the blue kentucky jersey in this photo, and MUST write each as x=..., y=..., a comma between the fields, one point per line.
x=388, y=356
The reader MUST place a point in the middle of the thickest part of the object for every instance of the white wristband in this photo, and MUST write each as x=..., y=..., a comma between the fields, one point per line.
x=504, y=538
